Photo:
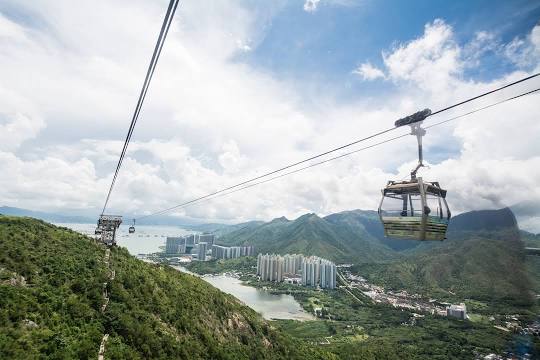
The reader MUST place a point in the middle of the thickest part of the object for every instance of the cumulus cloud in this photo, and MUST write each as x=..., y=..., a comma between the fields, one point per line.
x=524, y=52
x=211, y=121
x=369, y=72
x=17, y=129
x=311, y=5
x=432, y=60
x=483, y=42
x=497, y=160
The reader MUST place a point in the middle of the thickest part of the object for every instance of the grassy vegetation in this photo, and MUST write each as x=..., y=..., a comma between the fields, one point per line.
x=50, y=300
x=353, y=329
x=485, y=267
x=342, y=241
x=373, y=331
x=55, y=286
x=530, y=239
x=532, y=266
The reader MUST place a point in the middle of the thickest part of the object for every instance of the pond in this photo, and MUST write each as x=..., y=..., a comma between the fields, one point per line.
x=270, y=306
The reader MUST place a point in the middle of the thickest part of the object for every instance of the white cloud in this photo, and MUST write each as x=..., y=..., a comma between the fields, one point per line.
x=18, y=129
x=311, y=5
x=231, y=159
x=482, y=43
x=244, y=46
x=211, y=121
x=15, y=126
x=431, y=61
x=369, y=72
x=524, y=52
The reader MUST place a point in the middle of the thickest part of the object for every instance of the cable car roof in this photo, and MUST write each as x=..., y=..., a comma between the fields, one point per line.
x=408, y=187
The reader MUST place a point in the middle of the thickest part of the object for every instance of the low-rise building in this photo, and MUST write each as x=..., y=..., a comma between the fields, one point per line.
x=457, y=311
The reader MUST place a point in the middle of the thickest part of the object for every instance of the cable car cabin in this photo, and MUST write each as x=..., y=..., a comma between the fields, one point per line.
x=132, y=227
x=414, y=210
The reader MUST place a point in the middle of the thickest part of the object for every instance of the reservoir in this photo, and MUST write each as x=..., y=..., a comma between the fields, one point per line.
x=270, y=306
x=148, y=239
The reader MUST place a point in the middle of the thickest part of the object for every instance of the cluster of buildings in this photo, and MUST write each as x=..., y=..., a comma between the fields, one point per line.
x=200, y=246
x=231, y=252
x=185, y=244
x=317, y=271
x=310, y=271
x=403, y=300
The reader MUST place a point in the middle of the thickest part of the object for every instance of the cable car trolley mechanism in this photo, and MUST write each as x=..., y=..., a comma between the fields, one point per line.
x=414, y=209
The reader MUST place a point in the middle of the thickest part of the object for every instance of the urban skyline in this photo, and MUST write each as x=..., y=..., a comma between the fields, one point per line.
x=312, y=270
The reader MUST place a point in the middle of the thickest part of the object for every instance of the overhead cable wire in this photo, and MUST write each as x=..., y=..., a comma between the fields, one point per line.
x=240, y=187
x=374, y=145
x=485, y=94
x=359, y=150
x=173, y=4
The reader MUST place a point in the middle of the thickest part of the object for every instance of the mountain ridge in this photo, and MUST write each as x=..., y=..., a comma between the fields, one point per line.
x=311, y=234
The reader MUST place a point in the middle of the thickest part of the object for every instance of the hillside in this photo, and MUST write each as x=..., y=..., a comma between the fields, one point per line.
x=482, y=259
x=51, y=282
x=337, y=237
x=223, y=229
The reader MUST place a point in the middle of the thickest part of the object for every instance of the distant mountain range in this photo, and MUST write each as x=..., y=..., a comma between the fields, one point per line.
x=87, y=219
x=51, y=217
x=483, y=257
x=350, y=236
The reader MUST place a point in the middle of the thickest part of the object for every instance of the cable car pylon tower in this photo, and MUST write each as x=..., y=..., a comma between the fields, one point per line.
x=106, y=228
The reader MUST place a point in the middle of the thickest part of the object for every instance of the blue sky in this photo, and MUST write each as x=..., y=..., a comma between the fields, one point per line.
x=327, y=44
x=245, y=87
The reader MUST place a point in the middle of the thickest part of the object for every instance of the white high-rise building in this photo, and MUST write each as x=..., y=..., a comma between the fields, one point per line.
x=315, y=271
x=207, y=238
x=232, y=252
x=201, y=254
x=175, y=245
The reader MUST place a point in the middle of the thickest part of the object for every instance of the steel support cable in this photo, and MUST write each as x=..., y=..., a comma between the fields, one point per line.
x=373, y=145
x=155, y=56
x=173, y=4
x=362, y=149
x=486, y=93
x=224, y=192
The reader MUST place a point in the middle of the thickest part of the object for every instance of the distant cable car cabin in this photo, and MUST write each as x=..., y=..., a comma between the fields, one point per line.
x=132, y=228
x=414, y=209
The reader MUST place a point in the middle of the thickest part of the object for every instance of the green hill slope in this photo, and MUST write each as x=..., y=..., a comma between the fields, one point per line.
x=51, y=282
x=482, y=259
x=331, y=237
